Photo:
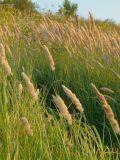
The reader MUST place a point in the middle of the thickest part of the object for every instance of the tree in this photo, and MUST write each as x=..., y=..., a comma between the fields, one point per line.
x=25, y=5
x=68, y=9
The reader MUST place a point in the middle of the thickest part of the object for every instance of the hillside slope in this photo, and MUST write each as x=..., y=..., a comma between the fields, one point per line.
x=42, y=53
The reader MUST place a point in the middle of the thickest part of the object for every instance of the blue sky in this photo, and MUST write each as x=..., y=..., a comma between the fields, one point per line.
x=101, y=9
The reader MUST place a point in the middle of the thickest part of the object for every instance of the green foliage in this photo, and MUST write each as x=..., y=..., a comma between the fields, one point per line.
x=25, y=5
x=7, y=2
x=68, y=9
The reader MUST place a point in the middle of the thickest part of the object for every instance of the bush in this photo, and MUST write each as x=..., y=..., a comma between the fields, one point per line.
x=25, y=5
x=68, y=9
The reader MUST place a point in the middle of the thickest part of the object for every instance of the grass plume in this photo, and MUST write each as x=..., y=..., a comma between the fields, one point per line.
x=51, y=60
x=26, y=126
x=73, y=98
x=108, y=110
x=33, y=93
x=62, y=108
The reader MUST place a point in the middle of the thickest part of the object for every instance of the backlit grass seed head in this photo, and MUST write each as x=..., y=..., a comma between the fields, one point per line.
x=4, y=62
x=51, y=60
x=107, y=90
x=20, y=87
x=62, y=108
x=2, y=50
x=73, y=98
x=9, y=50
x=33, y=93
x=108, y=110
x=38, y=92
x=116, y=74
x=26, y=126
x=110, y=98
x=98, y=63
x=6, y=66
x=50, y=118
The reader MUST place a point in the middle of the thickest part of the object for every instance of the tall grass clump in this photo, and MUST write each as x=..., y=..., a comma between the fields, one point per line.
x=56, y=51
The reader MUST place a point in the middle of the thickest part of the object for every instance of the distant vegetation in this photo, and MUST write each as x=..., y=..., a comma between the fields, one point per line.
x=68, y=9
x=23, y=5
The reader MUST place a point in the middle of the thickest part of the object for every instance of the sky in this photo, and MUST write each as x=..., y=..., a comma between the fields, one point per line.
x=100, y=9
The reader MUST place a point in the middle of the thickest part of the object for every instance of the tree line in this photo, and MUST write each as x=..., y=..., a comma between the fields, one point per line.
x=68, y=9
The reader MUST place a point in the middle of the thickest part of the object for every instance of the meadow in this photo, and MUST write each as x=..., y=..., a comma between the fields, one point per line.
x=59, y=88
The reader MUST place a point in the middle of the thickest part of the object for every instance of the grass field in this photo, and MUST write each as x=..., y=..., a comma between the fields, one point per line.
x=38, y=55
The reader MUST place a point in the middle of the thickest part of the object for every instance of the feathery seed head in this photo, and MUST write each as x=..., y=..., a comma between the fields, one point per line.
x=20, y=87
x=107, y=90
x=4, y=62
x=51, y=60
x=2, y=50
x=26, y=126
x=30, y=87
x=62, y=108
x=6, y=66
x=73, y=98
x=108, y=110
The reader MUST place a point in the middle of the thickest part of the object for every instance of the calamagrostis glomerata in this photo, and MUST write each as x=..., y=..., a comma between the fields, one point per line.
x=110, y=98
x=108, y=110
x=62, y=108
x=6, y=66
x=30, y=87
x=73, y=98
x=107, y=90
x=20, y=89
x=4, y=62
x=2, y=51
x=51, y=60
x=26, y=126
x=116, y=74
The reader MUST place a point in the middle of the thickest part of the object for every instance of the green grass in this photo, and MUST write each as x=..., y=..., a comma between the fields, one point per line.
x=90, y=136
